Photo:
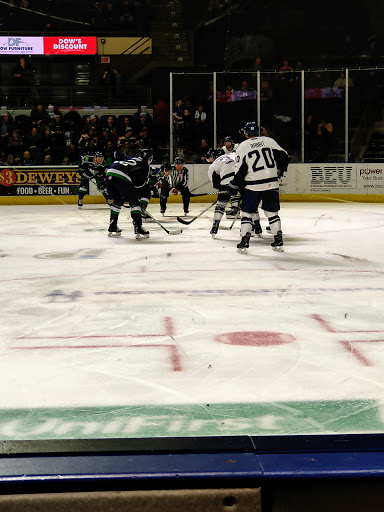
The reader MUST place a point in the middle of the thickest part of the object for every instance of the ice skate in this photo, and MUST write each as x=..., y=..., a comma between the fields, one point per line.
x=233, y=213
x=186, y=212
x=256, y=229
x=277, y=244
x=242, y=247
x=114, y=229
x=162, y=212
x=215, y=229
x=80, y=204
x=140, y=232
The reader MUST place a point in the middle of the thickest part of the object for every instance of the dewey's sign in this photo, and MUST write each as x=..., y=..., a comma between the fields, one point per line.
x=24, y=181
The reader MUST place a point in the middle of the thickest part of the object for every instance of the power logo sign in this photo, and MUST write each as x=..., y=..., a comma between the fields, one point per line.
x=325, y=177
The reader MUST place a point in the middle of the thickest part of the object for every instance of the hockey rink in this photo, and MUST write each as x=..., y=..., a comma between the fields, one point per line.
x=181, y=335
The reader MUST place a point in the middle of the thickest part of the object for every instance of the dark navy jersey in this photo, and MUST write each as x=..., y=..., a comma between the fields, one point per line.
x=89, y=169
x=135, y=170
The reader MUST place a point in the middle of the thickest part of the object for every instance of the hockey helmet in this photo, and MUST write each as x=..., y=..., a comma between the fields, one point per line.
x=251, y=129
x=166, y=166
x=179, y=160
x=216, y=153
x=146, y=154
x=98, y=154
x=228, y=138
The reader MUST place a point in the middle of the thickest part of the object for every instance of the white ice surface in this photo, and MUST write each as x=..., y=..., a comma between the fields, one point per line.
x=92, y=321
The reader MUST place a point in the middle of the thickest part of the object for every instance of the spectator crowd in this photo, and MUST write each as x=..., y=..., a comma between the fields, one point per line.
x=47, y=137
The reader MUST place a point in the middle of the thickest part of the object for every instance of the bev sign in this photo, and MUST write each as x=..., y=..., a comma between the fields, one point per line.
x=70, y=45
x=21, y=45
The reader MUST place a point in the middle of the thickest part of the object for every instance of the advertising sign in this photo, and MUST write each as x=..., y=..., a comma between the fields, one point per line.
x=21, y=45
x=70, y=45
x=39, y=181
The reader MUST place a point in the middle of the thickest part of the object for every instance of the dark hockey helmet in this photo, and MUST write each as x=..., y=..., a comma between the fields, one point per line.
x=179, y=160
x=228, y=138
x=166, y=166
x=146, y=154
x=216, y=153
x=98, y=154
x=251, y=129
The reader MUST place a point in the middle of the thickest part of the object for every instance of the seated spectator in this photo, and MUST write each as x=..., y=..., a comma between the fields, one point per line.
x=341, y=82
x=324, y=139
x=124, y=127
x=189, y=129
x=202, y=157
x=130, y=147
x=87, y=140
x=145, y=136
x=39, y=116
x=286, y=71
x=72, y=121
x=106, y=137
x=228, y=93
x=59, y=138
x=142, y=122
x=108, y=151
x=32, y=143
x=72, y=153
x=47, y=144
x=92, y=122
x=12, y=161
x=6, y=128
x=48, y=160
x=201, y=122
x=178, y=116
x=16, y=143
x=111, y=128
x=26, y=160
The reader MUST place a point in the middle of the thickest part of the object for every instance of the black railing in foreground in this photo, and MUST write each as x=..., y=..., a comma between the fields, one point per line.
x=77, y=95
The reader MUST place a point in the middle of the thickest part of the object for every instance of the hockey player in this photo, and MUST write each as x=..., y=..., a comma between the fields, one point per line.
x=221, y=172
x=125, y=181
x=92, y=167
x=260, y=162
x=229, y=145
x=175, y=182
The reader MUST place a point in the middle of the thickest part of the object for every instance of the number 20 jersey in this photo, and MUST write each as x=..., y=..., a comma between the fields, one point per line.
x=259, y=162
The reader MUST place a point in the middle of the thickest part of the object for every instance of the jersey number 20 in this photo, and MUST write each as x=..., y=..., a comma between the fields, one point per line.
x=265, y=154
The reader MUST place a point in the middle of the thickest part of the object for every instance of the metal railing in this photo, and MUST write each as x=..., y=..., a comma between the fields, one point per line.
x=78, y=96
x=282, y=102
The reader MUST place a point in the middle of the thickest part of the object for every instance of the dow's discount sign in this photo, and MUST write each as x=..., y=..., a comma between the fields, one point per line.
x=20, y=45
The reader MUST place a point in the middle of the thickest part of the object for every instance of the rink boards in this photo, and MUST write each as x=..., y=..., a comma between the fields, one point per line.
x=303, y=182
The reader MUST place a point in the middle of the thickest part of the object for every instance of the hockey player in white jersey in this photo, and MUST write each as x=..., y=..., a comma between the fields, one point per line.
x=260, y=162
x=220, y=172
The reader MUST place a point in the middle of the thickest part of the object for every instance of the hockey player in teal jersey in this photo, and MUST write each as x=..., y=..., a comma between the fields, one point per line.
x=92, y=167
x=127, y=180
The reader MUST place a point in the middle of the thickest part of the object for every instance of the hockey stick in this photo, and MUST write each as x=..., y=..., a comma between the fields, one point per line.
x=197, y=216
x=231, y=226
x=199, y=186
x=205, y=194
x=169, y=231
